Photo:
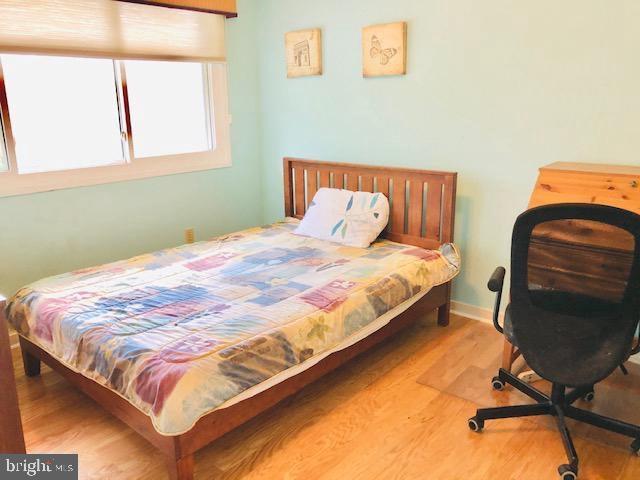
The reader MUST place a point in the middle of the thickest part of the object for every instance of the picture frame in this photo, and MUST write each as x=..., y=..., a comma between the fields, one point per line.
x=384, y=50
x=304, y=53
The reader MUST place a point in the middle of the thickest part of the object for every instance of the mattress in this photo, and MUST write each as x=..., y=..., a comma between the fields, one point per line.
x=182, y=332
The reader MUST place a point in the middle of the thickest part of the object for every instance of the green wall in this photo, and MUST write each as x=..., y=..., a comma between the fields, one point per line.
x=49, y=233
x=495, y=89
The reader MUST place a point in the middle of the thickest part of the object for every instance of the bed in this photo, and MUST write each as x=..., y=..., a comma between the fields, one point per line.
x=187, y=343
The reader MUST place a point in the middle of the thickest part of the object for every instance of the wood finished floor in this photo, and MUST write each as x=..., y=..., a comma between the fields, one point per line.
x=371, y=419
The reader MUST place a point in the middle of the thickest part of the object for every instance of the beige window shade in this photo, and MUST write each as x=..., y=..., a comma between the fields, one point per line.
x=106, y=28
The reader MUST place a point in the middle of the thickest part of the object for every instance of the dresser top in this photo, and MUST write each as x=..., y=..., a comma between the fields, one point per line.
x=598, y=168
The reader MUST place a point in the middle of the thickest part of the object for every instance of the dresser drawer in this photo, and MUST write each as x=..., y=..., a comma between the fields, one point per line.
x=578, y=269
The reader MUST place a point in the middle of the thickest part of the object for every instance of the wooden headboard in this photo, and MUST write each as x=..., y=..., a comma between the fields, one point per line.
x=422, y=202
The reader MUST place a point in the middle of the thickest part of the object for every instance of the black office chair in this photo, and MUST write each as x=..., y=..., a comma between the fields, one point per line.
x=572, y=330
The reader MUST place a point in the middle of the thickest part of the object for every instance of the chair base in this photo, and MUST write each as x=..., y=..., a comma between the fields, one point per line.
x=560, y=406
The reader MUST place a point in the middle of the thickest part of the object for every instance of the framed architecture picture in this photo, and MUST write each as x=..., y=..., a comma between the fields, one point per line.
x=384, y=49
x=304, y=53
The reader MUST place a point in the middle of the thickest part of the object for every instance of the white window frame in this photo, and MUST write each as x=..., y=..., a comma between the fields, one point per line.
x=13, y=183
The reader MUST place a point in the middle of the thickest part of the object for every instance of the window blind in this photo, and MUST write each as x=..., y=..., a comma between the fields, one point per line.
x=111, y=29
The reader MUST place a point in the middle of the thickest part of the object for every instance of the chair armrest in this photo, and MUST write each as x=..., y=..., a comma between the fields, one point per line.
x=497, y=280
x=495, y=284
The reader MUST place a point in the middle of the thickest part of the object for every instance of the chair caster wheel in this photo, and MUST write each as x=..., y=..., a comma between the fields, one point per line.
x=567, y=472
x=635, y=446
x=589, y=396
x=497, y=383
x=475, y=424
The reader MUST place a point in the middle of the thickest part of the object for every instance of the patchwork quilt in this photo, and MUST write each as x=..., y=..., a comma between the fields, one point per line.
x=181, y=331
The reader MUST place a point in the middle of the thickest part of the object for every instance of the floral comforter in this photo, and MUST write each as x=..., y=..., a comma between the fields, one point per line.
x=182, y=331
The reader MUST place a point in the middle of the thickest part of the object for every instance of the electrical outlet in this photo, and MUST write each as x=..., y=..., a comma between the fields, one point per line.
x=189, y=235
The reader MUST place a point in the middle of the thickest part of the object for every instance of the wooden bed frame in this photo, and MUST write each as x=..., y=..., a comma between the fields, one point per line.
x=422, y=214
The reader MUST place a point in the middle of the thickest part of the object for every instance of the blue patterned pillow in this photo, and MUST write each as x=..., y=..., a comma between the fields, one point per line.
x=351, y=218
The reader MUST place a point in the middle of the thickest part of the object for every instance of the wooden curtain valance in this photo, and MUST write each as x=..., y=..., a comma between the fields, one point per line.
x=227, y=8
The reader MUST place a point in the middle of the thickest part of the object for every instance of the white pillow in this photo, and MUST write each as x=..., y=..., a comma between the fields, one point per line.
x=351, y=218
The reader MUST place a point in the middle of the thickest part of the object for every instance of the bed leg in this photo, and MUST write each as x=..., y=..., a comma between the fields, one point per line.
x=180, y=468
x=443, y=314
x=30, y=362
x=444, y=310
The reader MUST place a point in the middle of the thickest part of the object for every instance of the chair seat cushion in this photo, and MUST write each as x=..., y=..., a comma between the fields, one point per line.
x=570, y=350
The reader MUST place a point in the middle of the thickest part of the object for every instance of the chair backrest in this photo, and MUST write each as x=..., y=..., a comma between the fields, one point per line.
x=578, y=266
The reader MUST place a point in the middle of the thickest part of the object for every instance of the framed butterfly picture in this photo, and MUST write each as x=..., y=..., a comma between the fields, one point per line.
x=384, y=49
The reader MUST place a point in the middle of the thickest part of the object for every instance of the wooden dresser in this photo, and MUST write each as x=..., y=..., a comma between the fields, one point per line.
x=577, y=250
x=571, y=254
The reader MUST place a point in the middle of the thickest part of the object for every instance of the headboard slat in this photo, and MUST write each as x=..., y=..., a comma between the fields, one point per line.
x=352, y=182
x=434, y=198
x=299, y=191
x=398, y=204
x=382, y=184
x=338, y=179
x=416, y=190
x=430, y=217
x=324, y=178
x=367, y=183
x=312, y=183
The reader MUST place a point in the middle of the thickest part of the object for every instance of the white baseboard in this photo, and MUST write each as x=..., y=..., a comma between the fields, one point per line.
x=485, y=315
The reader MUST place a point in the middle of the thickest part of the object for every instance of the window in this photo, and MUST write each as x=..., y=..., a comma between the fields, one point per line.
x=82, y=121
x=63, y=111
x=169, y=107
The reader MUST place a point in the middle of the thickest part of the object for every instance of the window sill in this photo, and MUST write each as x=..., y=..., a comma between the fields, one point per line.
x=13, y=184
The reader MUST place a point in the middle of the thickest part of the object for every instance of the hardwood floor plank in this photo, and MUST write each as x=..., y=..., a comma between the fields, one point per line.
x=389, y=414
